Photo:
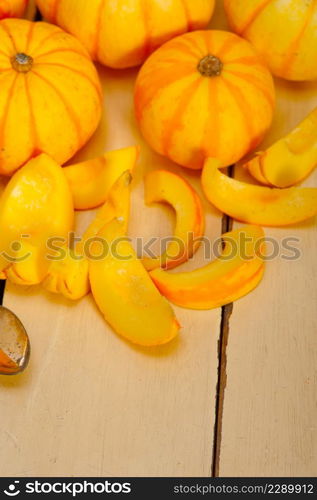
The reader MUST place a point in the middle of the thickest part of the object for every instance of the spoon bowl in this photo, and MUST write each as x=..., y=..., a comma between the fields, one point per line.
x=14, y=344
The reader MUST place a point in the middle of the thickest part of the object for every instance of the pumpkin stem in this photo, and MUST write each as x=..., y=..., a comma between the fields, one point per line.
x=22, y=62
x=210, y=66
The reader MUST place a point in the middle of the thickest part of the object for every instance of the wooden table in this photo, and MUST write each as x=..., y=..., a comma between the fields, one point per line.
x=234, y=396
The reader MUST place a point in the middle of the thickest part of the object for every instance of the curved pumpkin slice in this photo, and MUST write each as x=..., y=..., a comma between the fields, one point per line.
x=90, y=181
x=117, y=205
x=234, y=274
x=257, y=204
x=125, y=294
x=35, y=206
x=290, y=159
x=164, y=186
x=70, y=276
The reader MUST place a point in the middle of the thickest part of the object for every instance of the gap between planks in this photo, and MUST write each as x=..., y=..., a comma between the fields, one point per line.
x=226, y=312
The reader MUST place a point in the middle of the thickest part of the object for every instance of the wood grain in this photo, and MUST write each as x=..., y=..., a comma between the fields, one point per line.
x=270, y=403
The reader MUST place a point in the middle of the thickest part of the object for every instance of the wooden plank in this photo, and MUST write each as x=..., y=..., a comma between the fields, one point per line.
x=270, y=402
x=90, y=403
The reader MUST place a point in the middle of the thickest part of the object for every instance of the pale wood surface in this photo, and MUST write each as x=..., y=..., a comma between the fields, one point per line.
x=91, y=404
x=270, y=404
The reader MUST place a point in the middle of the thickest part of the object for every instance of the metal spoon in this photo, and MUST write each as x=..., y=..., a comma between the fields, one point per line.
x=14, y=344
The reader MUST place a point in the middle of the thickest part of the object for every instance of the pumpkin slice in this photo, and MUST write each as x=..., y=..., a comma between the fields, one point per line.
x=257, y=204
x=290, y=159
x=164, y=186
x=234, y=274
x=68, y=272
x=125, y=294
x=91, y=181
x=36, y=207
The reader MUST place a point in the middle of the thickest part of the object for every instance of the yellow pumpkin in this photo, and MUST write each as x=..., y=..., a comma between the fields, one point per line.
x=204, y=94
x=12, y=8
x=284, y=32
x=122, y=33
x=50, y=99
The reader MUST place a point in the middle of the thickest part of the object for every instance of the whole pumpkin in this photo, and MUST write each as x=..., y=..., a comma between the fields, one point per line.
x=12, y=8
x=284, y=32
x=122, y=33
x=50, y=95
x=204, y=94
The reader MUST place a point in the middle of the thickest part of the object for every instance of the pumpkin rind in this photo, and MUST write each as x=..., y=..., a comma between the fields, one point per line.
x=50, y=98
x=291, y=24
x=204, y=94
x=122, y=33
x=12, y=8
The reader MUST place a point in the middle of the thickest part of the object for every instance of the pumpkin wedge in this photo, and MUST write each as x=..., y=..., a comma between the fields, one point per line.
x=235, y=273
x=125, y=294
x=68, y=273
x=90, y=181
x=257, y=204
x=165, y=186
x=290, y=159
x=35, y=207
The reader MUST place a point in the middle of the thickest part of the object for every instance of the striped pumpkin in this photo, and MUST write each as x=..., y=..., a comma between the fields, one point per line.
x=283, y=31
x=50, y=99
x=122, y=33
x=204, y=94
x=12, y=8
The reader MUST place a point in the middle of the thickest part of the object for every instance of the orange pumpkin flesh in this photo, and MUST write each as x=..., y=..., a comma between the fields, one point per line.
x=165, y=186
x=12, y=8
x=236, y=272
x=122, y=33
x=204, y=94
x=91, y=181
x=284, y=33
x=50, y=98
x=257, y=204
